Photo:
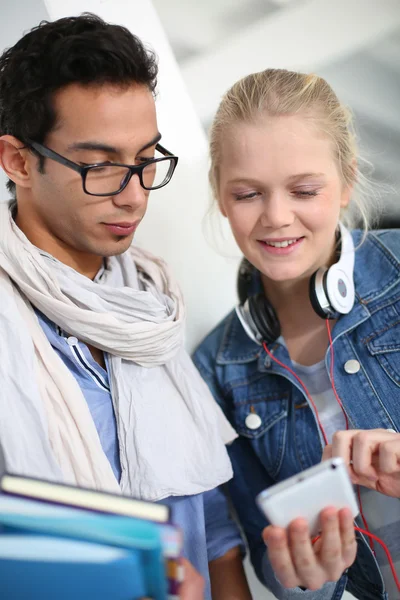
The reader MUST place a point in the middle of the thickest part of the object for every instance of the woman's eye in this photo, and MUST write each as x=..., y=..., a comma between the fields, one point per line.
x=305, y=193
x=247, y=196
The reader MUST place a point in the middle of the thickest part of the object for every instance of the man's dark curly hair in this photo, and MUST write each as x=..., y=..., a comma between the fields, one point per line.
x=84, y=50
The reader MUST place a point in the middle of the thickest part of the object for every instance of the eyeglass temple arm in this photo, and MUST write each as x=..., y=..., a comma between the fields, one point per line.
x=46, y=152
x=163, y=150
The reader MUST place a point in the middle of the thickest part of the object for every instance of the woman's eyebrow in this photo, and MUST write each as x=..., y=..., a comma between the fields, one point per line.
x=304, y=176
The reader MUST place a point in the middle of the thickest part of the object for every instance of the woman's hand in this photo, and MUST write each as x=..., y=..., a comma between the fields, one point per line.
x=372, y=457
x=296, y=561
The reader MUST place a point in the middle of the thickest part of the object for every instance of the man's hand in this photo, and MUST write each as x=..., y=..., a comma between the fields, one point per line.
x=192, y=587
x=298, y=562
x=372, y=457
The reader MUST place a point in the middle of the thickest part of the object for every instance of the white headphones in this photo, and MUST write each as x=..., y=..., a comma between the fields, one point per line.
x=331, y=293
x=332, y=290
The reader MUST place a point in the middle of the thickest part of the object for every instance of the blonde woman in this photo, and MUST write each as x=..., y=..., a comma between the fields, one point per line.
x=284, y=172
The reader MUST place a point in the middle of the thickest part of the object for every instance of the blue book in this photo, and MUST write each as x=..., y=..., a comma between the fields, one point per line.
x=145, y=540
x=42, y=568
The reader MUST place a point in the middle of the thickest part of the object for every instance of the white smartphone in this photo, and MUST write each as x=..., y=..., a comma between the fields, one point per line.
x=307, y=493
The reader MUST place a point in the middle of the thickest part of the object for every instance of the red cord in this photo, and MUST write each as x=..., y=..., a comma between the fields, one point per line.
x=364, y=520
x=302, y=385
x=366, y=531
x=385, y=548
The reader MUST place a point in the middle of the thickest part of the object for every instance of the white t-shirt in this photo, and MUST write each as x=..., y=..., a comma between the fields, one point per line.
x=381, y=512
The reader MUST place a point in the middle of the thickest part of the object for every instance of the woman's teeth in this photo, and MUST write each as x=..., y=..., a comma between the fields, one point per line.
x=281, y=244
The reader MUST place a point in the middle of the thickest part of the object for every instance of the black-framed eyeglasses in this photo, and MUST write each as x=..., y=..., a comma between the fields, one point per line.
x=109, y=179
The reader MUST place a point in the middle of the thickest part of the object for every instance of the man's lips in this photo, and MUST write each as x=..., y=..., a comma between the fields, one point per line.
x=122, y=228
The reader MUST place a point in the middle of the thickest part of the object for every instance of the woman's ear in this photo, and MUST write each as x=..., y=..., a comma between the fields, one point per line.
x=222, y=209
x=15, y=160
x=348, y=188
x=346, y=196
x=220, y=204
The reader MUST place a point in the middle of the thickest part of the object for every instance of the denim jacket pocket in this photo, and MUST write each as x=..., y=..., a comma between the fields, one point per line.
x=384, y=345
x=268, y=408
x=266, y=430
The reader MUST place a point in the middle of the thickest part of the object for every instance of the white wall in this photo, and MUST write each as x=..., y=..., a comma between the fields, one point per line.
x=304, y=36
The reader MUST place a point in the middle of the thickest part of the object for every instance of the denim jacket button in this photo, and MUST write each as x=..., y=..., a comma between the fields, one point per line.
x=253, y=421
x=352, y=366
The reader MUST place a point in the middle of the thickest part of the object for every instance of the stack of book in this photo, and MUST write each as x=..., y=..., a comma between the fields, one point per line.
x=61, y=542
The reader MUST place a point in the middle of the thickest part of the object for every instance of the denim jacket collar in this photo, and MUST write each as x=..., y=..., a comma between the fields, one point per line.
x=376, y=271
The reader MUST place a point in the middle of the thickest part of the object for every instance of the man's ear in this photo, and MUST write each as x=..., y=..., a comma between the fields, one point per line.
x=16, y=160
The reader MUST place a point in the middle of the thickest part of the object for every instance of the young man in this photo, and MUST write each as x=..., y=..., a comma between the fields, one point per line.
x=95, y=386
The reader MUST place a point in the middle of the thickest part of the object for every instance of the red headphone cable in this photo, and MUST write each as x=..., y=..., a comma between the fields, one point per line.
x=364, y=520
x=302, y=385
x=385, y=548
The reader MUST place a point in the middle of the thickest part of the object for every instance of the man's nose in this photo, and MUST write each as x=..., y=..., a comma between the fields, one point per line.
x=133, y=195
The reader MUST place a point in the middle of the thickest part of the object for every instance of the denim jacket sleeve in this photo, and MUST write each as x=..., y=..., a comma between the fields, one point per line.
x=243, y=499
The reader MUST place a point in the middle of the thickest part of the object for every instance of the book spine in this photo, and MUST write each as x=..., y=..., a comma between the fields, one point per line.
x=172, y=543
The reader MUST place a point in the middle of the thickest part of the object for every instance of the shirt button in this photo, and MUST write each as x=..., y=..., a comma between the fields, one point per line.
x=253, y=421
x=72, y=341
x=352, y=366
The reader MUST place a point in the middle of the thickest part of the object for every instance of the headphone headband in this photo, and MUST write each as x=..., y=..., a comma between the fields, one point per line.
x=244, y=316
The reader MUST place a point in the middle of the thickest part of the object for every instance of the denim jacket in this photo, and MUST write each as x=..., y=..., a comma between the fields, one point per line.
x=244, y=379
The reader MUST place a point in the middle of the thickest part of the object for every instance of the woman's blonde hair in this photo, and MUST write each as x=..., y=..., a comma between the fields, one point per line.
x=276, y=92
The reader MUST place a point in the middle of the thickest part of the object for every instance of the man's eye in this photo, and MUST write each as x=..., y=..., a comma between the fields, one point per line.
x=144, y=159
x=95, y=162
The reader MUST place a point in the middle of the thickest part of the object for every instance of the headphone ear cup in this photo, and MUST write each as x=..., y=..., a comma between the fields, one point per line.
x=264, y=317
x=317, y=291
x=340, y=290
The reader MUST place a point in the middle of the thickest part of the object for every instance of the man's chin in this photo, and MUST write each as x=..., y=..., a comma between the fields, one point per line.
x=117, y=248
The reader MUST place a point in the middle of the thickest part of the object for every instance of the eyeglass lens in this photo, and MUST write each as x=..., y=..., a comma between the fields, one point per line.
x=110, y=178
